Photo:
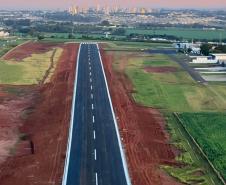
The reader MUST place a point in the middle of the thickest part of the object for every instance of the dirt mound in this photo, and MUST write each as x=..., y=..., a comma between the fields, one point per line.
x=142, y=129
x=46, y=126
x=160, y=69
x=27, y=49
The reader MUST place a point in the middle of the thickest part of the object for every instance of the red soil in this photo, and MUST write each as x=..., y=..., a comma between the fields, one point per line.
x=46, y=125
x=160, y=69
x=142, y=129
x=10, y=118
x=27, y=49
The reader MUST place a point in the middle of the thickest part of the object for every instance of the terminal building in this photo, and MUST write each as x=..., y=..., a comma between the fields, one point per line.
x=212, y=59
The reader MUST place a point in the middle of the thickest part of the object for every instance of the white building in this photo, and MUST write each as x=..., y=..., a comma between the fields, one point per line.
x=221, y=57
x=195, y=47
x=4, y=34
x=212, y=59
x=203, y=59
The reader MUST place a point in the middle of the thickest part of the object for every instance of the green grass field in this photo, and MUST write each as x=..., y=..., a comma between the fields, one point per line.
x=183, y=33
x=30, y=70
x=208, y=129
x=131, y=46
x=195, y=170
x=7, y=46
x=176, y=92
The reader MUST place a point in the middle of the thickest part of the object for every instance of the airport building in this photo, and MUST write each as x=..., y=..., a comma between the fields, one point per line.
x=212, y=59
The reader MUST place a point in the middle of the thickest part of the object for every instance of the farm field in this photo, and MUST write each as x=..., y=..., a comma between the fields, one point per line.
x=29, y=70
x=186, y=33
x=208, y=129
x=7, y=46
x=131, y=46
x=159, y=82
x=36, y=89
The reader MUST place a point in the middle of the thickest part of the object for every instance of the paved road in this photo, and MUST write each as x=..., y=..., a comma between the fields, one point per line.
x=184, y=64
x=95, y=155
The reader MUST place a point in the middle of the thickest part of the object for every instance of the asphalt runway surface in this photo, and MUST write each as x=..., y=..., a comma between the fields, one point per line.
x=95, y=155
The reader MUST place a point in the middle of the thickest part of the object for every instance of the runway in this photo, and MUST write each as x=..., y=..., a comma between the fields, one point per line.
x=95, y=154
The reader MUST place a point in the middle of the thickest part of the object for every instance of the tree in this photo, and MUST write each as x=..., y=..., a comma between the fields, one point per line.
x=105, y=23
x=71, y=36
x=205, y=49
x=40, y=37
x=189, y=50
x=119, y=31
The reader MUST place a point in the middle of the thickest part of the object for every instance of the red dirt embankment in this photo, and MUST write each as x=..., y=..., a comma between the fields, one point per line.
x=142, y=130
x=168, y=69
x=28, y=49
x=46, y=125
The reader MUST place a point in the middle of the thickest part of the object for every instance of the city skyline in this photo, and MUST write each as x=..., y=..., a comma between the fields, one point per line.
x=58, y=4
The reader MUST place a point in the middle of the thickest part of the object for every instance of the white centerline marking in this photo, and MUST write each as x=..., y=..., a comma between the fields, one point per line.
x=90, y=79
x=115, y=122
x=96, y=179
x=93, y=119
x=95, y=154
x=91, y=87
x=90, y=74
x=89, y=63
x=90, y=68
x=94, y=135
x=92, y=107
x=92, y=96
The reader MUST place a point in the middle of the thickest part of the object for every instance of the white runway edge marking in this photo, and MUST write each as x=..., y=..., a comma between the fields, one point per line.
x=96, y=178
x=66, y=165
x=93, y=119
x=94, y=135
x=95, y=154
x=128, y=180
x=92, y=107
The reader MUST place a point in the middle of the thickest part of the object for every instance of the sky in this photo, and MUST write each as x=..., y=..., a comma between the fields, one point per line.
x=64, y=4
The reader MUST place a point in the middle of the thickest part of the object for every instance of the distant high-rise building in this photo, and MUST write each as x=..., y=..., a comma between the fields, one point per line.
x=133, y=10
x=73, y=10
x=98, y=8
x=143, y=10
x=107, y=10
